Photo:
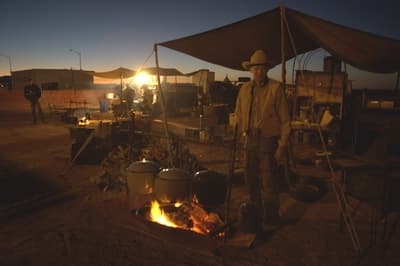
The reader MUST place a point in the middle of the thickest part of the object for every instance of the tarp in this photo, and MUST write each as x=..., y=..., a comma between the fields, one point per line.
x=232, y=44
x=163, y=71
x=122, y=72
x=118, y=73
x=195, y=72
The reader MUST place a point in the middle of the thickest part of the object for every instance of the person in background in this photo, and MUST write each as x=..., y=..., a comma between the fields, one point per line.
x=129, y=95
x=262, y=118
x=32, y=93
x=147, y=99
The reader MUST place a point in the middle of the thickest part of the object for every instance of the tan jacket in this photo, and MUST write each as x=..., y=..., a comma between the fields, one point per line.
x=270, y=112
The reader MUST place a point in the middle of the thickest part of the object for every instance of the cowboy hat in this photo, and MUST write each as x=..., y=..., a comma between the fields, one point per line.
x=259, y=57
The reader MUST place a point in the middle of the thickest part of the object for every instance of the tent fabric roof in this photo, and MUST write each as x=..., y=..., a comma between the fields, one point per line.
x=232, y=44
x=163, y=71
x=122, y=72
x=118, y=73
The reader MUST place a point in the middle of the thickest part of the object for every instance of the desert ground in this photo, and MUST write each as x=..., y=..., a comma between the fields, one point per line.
x=53, y=214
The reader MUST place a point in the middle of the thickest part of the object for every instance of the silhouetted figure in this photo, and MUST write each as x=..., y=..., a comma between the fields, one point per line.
x=32, y=93
x=129, y=95
x=147, y=99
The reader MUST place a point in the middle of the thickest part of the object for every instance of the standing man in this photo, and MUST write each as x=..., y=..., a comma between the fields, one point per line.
x=128, y=95
x=263, y=119
x=32, y=93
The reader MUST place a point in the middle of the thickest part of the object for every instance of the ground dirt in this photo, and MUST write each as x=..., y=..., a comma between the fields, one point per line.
x=52, y=214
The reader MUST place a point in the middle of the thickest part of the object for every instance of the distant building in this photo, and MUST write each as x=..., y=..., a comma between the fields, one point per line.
x=53, y=79
x=5, y=82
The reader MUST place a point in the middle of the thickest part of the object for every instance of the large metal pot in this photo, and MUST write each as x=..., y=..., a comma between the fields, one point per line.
x=173, y=185
x=140, y=178
x=209, y=187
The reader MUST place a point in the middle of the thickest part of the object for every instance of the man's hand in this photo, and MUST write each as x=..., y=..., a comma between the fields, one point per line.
x=280, y=154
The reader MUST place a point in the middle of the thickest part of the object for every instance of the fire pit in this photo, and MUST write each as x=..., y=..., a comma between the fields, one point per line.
x=185, y=215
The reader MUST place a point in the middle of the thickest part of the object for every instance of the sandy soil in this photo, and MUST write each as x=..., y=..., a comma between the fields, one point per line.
x=83, y=225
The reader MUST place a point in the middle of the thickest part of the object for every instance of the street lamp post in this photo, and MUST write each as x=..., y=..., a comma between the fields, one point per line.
x=80, y=58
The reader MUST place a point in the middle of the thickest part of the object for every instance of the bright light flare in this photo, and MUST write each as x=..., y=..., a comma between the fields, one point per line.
x=141, y=79
x=83, y=121
x=110, y=95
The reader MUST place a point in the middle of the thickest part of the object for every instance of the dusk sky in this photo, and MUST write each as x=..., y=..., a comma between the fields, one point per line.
x=114, y=33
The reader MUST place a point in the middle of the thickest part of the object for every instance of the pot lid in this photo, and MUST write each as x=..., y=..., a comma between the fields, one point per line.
x=202, y=172
x=174, y=174
x=143, y=167
x=208, y=175
x=206, y=172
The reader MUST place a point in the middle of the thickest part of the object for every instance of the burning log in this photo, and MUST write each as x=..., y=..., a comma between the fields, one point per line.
x=187, y=215
x=202, y=221
x=223, y=229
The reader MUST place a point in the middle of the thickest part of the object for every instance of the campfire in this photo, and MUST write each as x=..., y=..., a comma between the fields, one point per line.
x=185, y=215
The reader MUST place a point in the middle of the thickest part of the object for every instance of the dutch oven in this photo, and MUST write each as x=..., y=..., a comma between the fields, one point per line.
x=173, y=185
x=209, y=187
x=140, y=178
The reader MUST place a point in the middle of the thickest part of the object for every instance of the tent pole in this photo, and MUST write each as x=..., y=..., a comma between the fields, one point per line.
x=163, y=108
x=283, y=59
x=120, y=90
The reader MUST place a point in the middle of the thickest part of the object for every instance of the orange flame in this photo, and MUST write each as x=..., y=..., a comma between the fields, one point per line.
x=201, y=220
x=158, y=215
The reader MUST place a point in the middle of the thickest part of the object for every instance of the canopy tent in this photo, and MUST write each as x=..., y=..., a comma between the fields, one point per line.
x=162, y=71
x=118, y=73
x=122, y=72
x=232, y=44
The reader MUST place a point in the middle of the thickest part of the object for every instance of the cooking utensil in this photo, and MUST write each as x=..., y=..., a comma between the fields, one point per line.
x=209, y=187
